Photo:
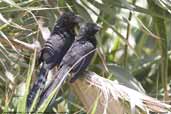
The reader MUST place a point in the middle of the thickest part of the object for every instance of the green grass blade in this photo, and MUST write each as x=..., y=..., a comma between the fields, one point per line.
x=33, y=106
x=45, y=104
x=95, y=105
x=22, y=102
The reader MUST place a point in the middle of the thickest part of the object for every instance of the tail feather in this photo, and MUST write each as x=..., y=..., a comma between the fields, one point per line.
x=38, y=85
x=60, y=77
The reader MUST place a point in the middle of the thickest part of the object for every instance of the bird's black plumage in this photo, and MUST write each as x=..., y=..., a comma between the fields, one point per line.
x=54, y=49
x=76, y=59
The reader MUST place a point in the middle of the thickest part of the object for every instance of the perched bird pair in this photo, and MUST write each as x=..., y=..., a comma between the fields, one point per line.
x=72, y=55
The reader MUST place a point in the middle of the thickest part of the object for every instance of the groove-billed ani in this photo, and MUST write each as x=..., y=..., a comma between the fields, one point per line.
x=54, y=49
x=76, y=59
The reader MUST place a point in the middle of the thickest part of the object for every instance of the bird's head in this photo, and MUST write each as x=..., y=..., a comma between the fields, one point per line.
x=69, y=20
x=89, y=28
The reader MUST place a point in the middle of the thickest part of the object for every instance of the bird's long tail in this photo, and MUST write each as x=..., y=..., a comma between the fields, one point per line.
x=60, y=77
x=38, y=85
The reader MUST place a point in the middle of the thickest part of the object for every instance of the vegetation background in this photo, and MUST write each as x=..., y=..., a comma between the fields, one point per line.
x=134, y=40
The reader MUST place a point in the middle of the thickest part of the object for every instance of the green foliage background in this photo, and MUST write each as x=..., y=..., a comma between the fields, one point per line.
x=134, y=45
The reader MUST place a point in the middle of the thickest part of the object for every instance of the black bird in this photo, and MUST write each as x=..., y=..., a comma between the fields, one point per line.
x=76, y=59
x=54, y=49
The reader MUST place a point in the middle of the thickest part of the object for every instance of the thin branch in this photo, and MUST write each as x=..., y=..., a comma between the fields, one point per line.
x=20, y=44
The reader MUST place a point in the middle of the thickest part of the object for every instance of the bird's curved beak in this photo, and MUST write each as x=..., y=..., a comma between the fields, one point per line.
x=78, y=19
